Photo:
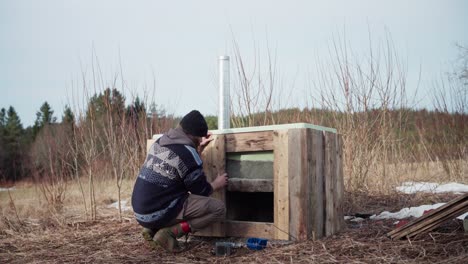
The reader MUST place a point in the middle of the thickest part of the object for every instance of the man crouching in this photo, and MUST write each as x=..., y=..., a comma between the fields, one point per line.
x=170, y=197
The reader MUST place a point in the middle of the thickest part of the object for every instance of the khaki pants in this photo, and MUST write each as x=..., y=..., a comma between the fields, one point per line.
x=200, y=211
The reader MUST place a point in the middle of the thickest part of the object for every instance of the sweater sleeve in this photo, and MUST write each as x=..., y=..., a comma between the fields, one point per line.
x=197, y=184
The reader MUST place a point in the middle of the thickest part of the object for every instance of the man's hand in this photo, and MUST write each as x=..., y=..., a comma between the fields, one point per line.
x=220, y=181
x=204, y=142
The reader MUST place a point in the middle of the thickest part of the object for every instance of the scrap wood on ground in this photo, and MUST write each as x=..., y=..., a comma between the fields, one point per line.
x=109, y=240
x=432, y=219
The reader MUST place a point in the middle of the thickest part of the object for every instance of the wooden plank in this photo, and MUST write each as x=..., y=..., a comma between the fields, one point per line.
x=250, y=185
x=432, y=219
x=429, y=217
x=273, y=128
x=330, y=183
x=435, y=221
x=340, y=223
x=298, y=184
x=427, y=226
x=214, y=163
x=443, y=208
x=149, y=142
x=249, y=229
x=316, y=183
x=253, y=141
x=281, y=188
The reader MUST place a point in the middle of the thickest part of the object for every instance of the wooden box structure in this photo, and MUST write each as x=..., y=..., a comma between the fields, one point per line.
x=285, y=181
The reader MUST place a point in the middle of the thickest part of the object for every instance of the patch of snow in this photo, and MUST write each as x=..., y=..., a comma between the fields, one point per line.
x=408, y=212
x=353, y=218
x=463, y=216
x=123, y=204
x=6, y=189
x=413, y=187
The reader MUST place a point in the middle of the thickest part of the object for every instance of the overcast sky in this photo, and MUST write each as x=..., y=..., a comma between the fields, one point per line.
x=170, y=48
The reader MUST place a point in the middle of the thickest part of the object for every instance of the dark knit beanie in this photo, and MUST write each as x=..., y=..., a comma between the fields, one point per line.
x=194, y=124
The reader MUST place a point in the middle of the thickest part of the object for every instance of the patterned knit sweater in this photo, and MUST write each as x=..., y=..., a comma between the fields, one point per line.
x=172, y=169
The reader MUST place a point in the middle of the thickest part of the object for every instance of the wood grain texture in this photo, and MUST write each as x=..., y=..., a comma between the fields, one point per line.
x=316, y=183
x=432, y=219
x=214, y=163
x=298, y=183
x=252, y=141
x=330, y=183
x=339, y=200
x=249, y=229
x=281, y=188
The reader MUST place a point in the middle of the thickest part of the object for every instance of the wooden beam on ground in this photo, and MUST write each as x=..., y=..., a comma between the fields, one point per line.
x=281, y=188
x=251, y=141
x=427, y=226
x=432, y=219
x=250, y=185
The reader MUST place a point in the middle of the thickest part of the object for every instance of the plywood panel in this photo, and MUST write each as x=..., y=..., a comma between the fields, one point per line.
x=316, y=150
x=281, y=188
x=298, y=183
x=252, y=141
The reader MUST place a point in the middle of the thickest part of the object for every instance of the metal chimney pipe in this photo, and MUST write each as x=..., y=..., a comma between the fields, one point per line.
x=224, y=99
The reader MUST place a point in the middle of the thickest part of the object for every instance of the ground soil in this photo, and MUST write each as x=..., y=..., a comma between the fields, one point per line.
x=108, y=240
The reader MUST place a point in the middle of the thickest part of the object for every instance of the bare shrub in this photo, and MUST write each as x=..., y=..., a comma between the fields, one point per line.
x=450, y=139
x=51, y=155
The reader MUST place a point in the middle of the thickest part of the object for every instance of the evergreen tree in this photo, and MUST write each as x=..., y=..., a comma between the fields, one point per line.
x=2, y=142
x=108, y=101
x=135, y=110
x=68, y=116
x=2, y=118
x=12, y=137
x=44, y=116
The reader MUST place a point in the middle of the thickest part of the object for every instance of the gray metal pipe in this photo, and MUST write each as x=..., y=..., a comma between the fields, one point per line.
x=224, y=99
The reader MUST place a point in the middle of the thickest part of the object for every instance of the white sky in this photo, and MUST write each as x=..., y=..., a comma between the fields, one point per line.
x=45, y=45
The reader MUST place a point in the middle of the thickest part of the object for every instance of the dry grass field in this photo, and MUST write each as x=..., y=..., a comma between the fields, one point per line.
x=33, y=231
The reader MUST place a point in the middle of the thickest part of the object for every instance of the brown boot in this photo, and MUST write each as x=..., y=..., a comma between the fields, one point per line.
x=148, y=235
x=167, y=237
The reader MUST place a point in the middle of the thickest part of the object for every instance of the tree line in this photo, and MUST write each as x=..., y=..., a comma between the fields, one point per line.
x=48, y=145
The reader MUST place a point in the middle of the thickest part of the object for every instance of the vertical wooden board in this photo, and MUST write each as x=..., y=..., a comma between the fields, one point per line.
x=316, y=152
x=280, y=180
x=298, y=183
x=340, y=184
x=149, y=142
x=330, y=183
x=214, y=163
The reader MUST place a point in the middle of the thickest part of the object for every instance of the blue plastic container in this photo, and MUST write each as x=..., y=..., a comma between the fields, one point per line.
x=256, y=243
